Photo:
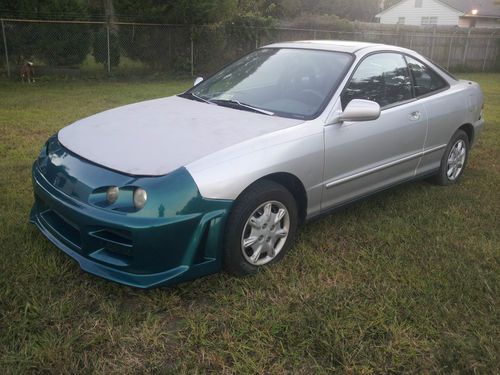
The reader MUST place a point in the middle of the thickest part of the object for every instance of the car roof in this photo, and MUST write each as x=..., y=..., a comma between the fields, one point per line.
x=363, y=48
x=328, y=45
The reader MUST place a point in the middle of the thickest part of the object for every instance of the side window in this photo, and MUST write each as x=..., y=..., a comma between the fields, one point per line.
x=424, y=78
x=383, y=78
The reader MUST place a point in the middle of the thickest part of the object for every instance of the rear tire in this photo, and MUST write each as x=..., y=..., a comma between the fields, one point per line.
x=454, y=160
x=260, y=228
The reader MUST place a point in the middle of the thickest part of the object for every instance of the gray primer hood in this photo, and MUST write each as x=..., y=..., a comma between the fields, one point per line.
x=158, y=136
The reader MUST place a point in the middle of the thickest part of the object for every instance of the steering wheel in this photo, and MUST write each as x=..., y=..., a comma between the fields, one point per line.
x=311, y=96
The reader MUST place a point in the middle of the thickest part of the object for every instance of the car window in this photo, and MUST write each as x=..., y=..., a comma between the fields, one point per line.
x=383, y=78
x=424, y=78
x=289, y=82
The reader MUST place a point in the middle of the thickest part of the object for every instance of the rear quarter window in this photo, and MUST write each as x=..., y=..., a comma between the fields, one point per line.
x=425, y=79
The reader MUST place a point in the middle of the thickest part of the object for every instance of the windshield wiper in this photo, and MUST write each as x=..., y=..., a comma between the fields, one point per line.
x=191, y=95
x=233, y=103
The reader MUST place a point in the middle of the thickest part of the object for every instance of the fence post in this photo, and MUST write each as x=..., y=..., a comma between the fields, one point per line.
x=192, y=54
x=6, y=51
x=433, y=41
x=466, y=49
x=108, y=49
x=449, y=50
x=495, y=52
x=487, y=49
x=169, y=47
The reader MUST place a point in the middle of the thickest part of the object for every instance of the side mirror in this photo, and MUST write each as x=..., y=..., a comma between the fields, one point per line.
x=360, y=110
x=198, y=80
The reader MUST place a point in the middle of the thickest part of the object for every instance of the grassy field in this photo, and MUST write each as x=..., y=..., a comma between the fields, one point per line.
x=407, y=281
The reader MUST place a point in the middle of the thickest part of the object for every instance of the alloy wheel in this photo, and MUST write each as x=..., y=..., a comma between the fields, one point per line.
x=456, y=160
x=265, y=233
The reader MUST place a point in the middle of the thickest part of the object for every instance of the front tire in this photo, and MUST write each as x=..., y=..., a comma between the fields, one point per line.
x=260, y=228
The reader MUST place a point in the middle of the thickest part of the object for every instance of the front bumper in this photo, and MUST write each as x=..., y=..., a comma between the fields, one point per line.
x=144, y=250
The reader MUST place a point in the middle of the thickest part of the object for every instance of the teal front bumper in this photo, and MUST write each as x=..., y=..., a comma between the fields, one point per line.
x=176, y=237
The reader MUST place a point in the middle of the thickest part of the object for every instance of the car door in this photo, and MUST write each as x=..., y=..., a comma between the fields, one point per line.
x=446, y=110
x=363, y=157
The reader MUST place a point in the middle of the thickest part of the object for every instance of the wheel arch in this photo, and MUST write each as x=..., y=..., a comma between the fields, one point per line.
x=293, y=184
x=469, y=130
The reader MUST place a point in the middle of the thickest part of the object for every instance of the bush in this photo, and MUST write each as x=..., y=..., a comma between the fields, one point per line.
x=100, y=48
x=63, y=44
x=158, y=47
x=245, y=31
x=321, y=22
x=21, y=41
x=217, y=44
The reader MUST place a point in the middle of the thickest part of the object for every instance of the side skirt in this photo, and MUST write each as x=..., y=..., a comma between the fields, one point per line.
x=348, y=203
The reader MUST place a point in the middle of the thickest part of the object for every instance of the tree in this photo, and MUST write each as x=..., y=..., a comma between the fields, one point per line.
x=362, y=10
x=55, y=44
x=63, y=44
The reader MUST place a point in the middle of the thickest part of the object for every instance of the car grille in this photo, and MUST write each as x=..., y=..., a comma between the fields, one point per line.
x=61, y=227
x=109, y=245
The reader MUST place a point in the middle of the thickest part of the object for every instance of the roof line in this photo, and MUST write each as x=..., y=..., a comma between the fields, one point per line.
x=450, y=6
x=367, y=46
x=401, y=1
x=388, y=9
x=480, y=16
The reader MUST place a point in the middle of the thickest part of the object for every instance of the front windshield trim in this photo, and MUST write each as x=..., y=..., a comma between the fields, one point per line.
x=328, y=97
x=241, y=105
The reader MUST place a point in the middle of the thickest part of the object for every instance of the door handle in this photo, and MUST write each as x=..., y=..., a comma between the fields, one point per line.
x=415, y=116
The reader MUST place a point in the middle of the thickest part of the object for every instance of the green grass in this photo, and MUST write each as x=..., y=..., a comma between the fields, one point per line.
x=407, y=281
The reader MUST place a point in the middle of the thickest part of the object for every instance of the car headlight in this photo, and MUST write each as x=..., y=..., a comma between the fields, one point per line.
x=112, y=194
x=140, y=198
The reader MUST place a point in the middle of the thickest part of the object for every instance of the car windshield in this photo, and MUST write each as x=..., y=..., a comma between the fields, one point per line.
x=284, y=82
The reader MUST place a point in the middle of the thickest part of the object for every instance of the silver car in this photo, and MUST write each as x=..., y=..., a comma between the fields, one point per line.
x=221, y=176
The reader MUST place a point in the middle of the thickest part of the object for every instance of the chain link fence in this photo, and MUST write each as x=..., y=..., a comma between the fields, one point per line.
x=94, y=49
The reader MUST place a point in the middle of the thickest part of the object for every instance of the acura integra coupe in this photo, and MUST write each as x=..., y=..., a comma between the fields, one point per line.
x=221, y=175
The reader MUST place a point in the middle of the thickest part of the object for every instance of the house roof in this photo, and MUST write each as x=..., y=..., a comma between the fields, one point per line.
x=485, y=8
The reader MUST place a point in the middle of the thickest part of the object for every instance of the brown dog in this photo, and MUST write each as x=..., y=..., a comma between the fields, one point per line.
x=28, y=72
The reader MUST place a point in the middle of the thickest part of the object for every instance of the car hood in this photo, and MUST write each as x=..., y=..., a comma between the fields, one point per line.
x=158, y=136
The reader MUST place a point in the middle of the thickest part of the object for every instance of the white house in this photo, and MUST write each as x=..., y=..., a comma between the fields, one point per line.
x=463, y=13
